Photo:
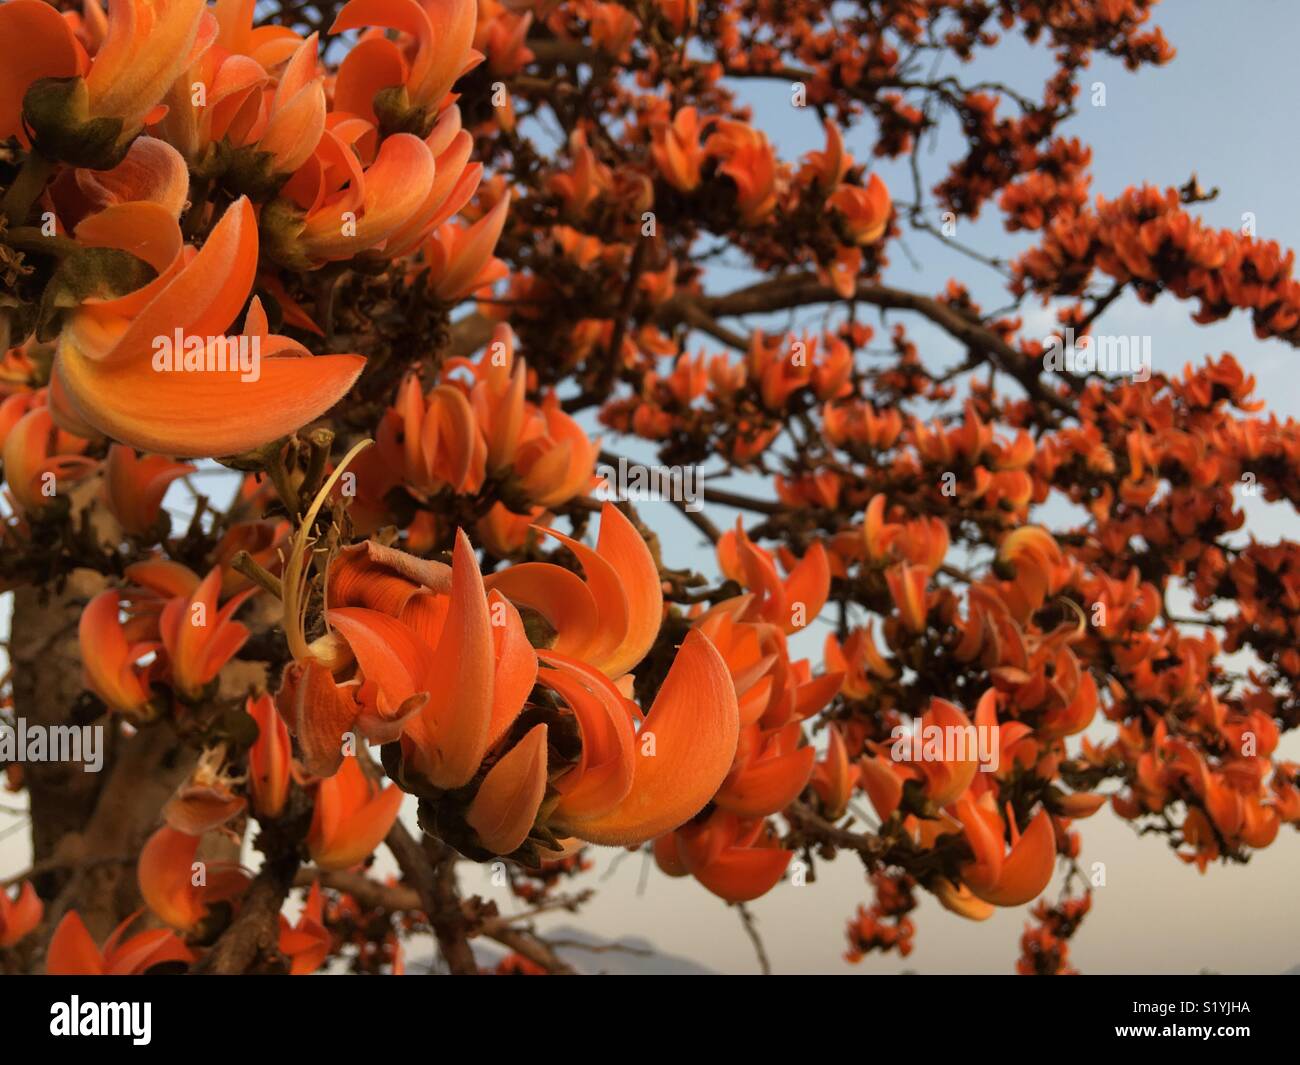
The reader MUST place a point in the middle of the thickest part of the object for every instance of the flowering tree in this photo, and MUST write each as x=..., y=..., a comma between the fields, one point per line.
x=391, y=264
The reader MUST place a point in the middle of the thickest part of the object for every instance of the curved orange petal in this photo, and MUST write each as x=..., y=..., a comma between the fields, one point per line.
x=319, y=711
x=516, y=666
x=71, y=951
x=106, y=656
x=1028, y=868
x=452, y=730
x=767, y=786
x=695, y=723
x=506, y=805
x=165, y=874
x=603, y=776
x=47, y=50
x=741, y=874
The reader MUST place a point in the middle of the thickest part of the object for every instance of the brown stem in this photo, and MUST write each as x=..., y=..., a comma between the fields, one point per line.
x=431, y=871
x=255, y=931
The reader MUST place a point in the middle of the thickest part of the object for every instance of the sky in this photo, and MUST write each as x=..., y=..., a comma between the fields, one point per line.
x=1224, y=109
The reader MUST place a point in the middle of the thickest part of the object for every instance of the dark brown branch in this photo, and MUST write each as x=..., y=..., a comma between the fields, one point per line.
x=431, y=870
x=803, y=290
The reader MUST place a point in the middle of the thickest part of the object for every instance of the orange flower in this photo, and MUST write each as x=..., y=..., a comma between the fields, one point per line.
x=999, y=877
x=946, y=780
x=835, y=777
x=445, y=663
x=441, y=33
x=865, y=210
x=631, y=786
x=554, y=457
x=295, y=118
x=37, y=455
x=176, y=887
x=90, y=119
x=351, y=818
x=827, y=168
x=858, y=660
x=747, y=158
x=152, y=171
x=199, y=638
x=791, y=602
x=460, y=257
x=134, y=487
x=677, y=152
x=507, y=802
x=108, y=657
x=19, y=916
x=73, y=953
x=307, y=942
x=609, y=620
x=49, y=50
x=907, y=584
x=108, y=350
x=770, y=771
x=333, y=208
x=442, y=442
x=735, y=859
x=269, y=759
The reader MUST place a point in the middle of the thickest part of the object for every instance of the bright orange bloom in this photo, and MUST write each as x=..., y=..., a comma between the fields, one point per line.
x=460, y=257
x=771, y=770
x=108, y=354
x=503, y=811
x=858, y=660
x=445, y=663
x=835, y=777
x=748, y=159
x=999, y=877
x=791, y=602
x=351, y=818
x=177, y=890
x=147, y=44
x=49, y=50
x=152, y=171
x=828, y=167
x=439, y=33
x=945, y=780
x=134, y=487
x=609, y=620
x=907, y=584
x=269, y=759
x=198, y=637
x=73, y=953
x=652, y=780
x=343, y=201
x=19, y=916
x=677, y=152
x=108, y=657
x=37, y=455
x=865, y=210
x=307, y=942
x=735, y=859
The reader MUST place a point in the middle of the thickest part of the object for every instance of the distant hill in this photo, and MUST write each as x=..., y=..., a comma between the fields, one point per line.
x=638, y=956
x=628, y=956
